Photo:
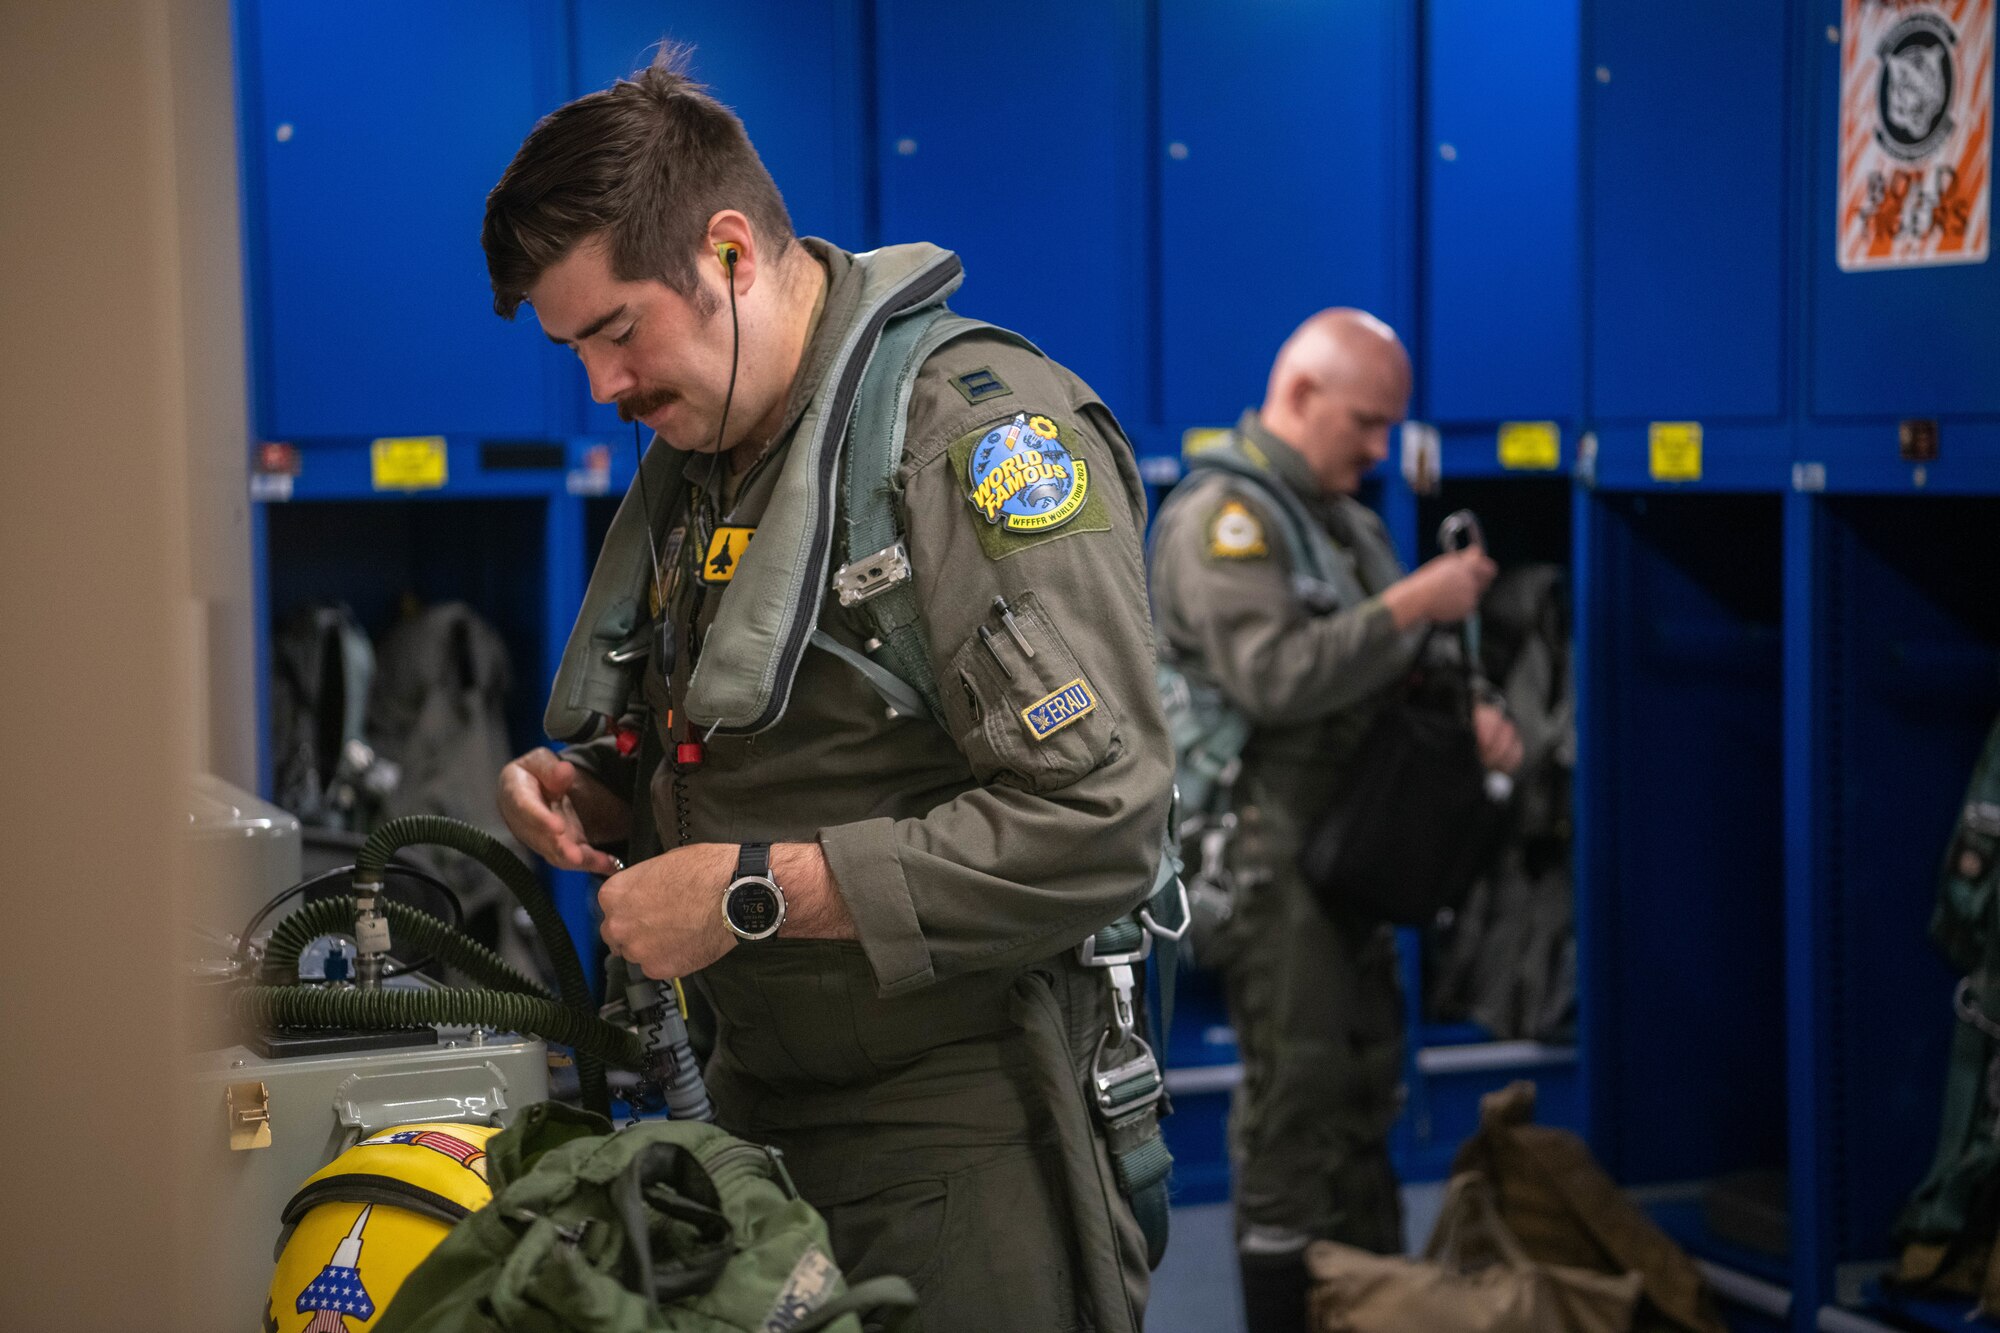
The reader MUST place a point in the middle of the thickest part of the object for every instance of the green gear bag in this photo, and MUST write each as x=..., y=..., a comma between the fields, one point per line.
x=671, y=1226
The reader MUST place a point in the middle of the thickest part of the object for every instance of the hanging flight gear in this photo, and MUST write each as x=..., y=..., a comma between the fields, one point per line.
x=325, y=772
x=1506, y=959
x=438, y=711
x=668, y=1227
x=1209, y=732
x=361, y=1224
x=1950, y=1227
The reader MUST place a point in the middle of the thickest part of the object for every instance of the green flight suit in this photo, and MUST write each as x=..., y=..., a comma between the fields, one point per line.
x=1315, y=999
x=927, y=1082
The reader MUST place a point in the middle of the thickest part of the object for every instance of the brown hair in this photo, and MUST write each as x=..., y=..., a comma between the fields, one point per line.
x=647, y=161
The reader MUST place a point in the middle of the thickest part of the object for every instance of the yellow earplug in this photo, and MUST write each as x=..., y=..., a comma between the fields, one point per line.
x=727, y=252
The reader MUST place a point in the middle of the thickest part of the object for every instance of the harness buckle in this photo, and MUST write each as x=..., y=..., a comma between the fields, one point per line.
x=1086, y=953
x=1131, y=1086
x=858, y=580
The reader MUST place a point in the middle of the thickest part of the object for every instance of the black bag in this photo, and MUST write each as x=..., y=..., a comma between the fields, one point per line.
x=1411, y=825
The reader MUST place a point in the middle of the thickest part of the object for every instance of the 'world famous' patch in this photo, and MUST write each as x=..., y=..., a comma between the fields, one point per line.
x=1025, y=477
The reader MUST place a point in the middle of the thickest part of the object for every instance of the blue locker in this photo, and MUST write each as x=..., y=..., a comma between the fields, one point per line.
x=1286, y=184
x=1687, y=220
x=1502, y=310
x=1897, y=680
x=373, y=134
x=1679, y=832
x=1916, y=342
x=1014, y=135
x=793, y=71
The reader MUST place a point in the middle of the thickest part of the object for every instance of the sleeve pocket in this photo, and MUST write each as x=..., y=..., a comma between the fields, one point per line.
x=1036, y=722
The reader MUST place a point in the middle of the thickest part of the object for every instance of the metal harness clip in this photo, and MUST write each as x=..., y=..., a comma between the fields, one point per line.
x=1127, y=1087
x=858, y=580
x=1137, y=1082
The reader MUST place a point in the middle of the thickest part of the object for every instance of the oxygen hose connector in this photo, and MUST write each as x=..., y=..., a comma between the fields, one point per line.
x=371, y=932
x=670, y=1066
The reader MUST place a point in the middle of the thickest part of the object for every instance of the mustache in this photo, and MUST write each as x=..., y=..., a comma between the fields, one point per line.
x=637, y=405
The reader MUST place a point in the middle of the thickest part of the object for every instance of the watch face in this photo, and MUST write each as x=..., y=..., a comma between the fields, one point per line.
x=754, y=906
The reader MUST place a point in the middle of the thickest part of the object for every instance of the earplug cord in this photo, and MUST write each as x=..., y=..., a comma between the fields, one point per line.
x=721, y=429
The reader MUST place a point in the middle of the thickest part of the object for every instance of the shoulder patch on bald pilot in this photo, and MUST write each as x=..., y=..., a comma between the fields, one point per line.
x=1234, y=533
x=1027, y=482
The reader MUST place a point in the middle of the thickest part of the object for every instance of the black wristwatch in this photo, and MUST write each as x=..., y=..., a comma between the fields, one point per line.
x=753, y=906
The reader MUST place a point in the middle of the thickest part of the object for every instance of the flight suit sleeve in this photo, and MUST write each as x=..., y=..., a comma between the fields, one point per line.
x=600, y=758
x=1057, y=715
x=1226, y=592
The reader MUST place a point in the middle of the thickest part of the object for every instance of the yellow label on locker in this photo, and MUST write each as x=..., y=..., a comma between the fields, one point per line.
x=1530, y=446
x=1675, y=450
x=725, y=552
x=408, y=463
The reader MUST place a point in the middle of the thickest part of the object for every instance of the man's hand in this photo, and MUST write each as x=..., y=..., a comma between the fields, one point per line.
x=665, y=915
x=1443, y=590
x=540, y=797
x=1499, y=742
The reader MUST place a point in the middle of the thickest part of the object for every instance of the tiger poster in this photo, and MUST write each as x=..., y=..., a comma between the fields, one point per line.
x=1916, y=121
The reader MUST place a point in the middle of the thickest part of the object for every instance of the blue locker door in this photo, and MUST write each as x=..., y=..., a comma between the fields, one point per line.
x=1687, y=210
x=1501, y=304
x=792, y=71
x=374, y=133
x=1286, y=184
x=1893, y=343
x=1013, y=134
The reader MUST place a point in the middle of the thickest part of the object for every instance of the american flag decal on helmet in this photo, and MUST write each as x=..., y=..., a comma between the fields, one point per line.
x=465, y=1154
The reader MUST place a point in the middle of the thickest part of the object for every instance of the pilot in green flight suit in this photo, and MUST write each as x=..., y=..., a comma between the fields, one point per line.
x=1314, y=996
x=918, y=1034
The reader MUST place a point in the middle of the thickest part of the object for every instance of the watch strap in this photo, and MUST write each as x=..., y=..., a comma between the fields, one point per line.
x=754, y=858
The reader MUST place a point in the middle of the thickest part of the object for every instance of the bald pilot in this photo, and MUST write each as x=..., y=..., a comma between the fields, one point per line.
x=1314, y=996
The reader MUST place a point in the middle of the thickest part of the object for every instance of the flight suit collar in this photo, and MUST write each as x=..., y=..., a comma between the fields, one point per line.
x=1286, y=462
x=838, y=307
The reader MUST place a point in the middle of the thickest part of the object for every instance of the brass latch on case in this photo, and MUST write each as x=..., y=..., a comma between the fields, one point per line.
x=249, y=1107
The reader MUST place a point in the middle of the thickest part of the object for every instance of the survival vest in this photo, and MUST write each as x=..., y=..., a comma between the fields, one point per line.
x=1209, y=732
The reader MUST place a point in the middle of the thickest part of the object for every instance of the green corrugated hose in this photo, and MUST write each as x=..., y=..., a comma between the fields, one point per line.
x=573, y=1022
x=591, y=1037
x=416, y=930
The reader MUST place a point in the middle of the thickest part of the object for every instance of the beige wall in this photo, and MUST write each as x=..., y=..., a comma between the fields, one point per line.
x=123, y=594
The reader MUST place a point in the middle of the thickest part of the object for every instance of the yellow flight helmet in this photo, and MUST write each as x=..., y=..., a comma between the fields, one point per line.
x=361, y=1224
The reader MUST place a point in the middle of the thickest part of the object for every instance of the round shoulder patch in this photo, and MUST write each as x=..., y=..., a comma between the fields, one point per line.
x=1024, y=474
x=1234, y=533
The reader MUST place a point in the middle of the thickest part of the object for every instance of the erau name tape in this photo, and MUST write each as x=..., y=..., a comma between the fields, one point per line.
x=1052, y=712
